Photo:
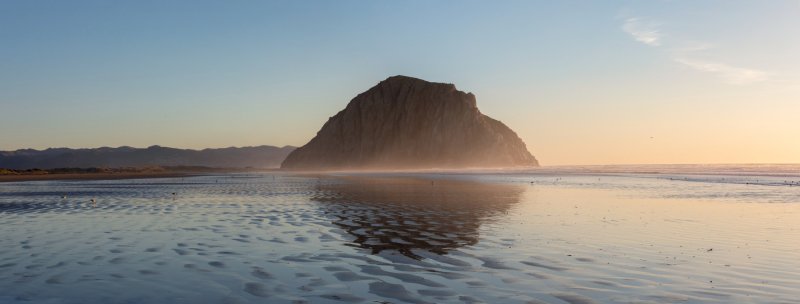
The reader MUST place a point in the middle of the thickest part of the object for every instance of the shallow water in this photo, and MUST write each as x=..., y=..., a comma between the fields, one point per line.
x=417, y=238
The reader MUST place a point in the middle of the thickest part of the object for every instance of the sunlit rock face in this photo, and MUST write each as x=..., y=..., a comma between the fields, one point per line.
x=409, y=123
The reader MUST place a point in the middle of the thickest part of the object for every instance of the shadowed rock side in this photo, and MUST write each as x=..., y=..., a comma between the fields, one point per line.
x=408, y=123
x=412, y=216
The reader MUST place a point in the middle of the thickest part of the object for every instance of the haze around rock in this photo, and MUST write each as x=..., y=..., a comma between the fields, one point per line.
x=409, y=123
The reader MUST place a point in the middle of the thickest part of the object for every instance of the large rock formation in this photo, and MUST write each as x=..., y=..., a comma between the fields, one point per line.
x=409, y=123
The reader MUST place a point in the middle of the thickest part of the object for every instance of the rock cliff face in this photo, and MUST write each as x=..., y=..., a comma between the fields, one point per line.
x=409, y=123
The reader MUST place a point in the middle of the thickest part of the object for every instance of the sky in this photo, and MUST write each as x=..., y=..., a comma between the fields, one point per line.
x=581, y=82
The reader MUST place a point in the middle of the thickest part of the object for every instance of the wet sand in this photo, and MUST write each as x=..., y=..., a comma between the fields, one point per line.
x=430, y=238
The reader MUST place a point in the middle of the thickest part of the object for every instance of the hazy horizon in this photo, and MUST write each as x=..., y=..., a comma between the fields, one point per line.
x=620, y=82
x=411, y=170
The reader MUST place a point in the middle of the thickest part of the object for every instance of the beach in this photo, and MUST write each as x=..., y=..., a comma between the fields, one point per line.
x=455, y=237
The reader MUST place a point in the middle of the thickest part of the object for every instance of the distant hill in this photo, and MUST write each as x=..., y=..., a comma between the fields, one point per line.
x=410, y=123
x=255, y=157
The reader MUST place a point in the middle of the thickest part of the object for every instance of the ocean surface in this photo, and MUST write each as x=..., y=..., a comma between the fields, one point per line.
x=610, y=234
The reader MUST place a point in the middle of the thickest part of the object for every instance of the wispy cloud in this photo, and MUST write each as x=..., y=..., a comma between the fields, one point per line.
x=648, y=32
x=642, y=31
x=732, y=74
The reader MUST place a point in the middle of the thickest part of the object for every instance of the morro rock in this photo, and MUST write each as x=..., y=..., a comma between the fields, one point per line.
x=409, y=123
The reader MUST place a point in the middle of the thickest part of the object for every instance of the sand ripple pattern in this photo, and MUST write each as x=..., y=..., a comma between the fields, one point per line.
x=274, y=238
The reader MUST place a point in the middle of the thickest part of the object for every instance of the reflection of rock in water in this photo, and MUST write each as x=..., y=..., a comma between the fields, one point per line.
x=407, y=214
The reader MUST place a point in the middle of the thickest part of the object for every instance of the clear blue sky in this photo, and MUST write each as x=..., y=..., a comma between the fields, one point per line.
x=581, y=82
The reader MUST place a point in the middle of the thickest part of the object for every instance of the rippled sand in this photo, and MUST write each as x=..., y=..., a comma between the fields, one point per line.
x=425, y=238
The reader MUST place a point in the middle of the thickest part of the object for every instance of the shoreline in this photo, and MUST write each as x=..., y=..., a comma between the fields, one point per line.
x=91, y=176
